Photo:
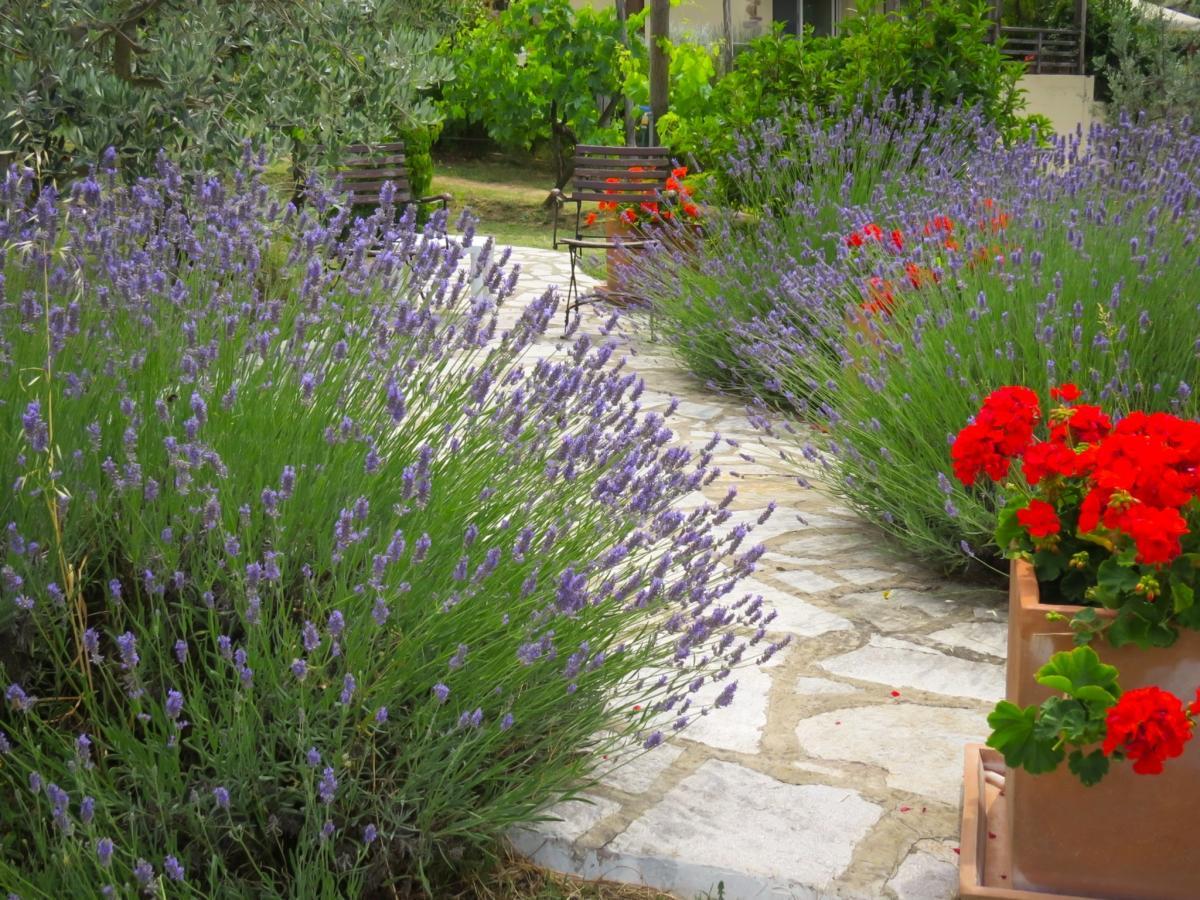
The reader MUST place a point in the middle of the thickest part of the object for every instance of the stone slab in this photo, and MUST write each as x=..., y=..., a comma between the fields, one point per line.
x=900, y=664
x=988, y=638
x=727, y=816
x=888, y=735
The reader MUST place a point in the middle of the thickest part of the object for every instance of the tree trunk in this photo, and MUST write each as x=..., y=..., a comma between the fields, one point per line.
x=726, y=37
x=660, y=27
x=624, y=33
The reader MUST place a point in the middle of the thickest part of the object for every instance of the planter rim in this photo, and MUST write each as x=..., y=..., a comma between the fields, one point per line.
x=1027, y=592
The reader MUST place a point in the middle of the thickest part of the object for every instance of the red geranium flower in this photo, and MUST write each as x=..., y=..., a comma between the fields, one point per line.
x=1067, y=392
x=1148, y=725
x=1039, y=519
x=679, y=172
x=1046, y=459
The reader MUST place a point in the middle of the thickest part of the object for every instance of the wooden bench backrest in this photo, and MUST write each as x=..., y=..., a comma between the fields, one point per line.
x=366, y=168
x=595, y=165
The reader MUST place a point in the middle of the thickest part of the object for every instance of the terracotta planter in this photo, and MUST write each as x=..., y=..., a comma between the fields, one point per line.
x=1131, y=836
x=985, y=852
x=685, y=240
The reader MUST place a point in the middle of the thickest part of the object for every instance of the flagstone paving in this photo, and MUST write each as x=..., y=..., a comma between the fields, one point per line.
x=837, y=770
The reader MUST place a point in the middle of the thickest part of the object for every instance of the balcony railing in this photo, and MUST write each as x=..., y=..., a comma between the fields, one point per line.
x=1045, y=51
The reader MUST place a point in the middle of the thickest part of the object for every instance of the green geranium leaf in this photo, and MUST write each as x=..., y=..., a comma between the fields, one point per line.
x=1090, y=767
x=1049, y=564
x=1113, y=581
x=1013, y=735
x=1072, y=671
x=1182, y=595
x=1008, y=529
x=1060, y=718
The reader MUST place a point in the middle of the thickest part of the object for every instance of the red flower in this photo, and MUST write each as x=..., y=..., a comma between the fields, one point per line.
x=1046, y=459
x=679, y=172
x=1148, y=725
x=1156, y=532
x=1067, y=392
x=939, y=223
x=690, y=209
x=1088, y=423
x=1039, y=519
x=974, y=451
x=897, y=239
x=873, y=231
x=629, y=216
x=854, y=239
x=590, y=220
x=671, y=184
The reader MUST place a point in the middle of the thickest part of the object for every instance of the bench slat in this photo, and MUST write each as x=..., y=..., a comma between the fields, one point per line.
x=597, y=149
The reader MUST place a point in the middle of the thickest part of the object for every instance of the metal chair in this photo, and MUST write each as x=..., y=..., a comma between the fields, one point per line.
x=618, y=175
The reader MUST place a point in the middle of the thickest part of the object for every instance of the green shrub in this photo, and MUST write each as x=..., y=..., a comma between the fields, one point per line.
x=940, y=49
x=312, y=582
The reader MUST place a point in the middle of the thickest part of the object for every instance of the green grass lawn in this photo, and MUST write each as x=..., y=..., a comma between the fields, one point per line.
x=506, y=196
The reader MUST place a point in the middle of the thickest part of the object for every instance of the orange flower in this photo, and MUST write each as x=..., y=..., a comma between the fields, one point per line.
x=590, y=220
x=607, y=205
x=671, y=184
x=690, y=209
x=951, y=244
x=629, y=216
x=680, y=172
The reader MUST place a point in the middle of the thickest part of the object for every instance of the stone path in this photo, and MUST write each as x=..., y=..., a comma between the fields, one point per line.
x=836, y=772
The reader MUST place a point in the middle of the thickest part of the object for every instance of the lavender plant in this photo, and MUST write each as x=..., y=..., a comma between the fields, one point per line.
x=314, y=579
x=1029, y=264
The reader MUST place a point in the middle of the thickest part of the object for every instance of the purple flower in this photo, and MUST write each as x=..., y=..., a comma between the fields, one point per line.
x=299, y=668
x=174, y=704
x=83, y=748
x=380, y=611
x=311, y=637
x=104, y=851
x=221, y=795
x=327, y=787
x=91, y=643
x=313, y=757
x=181, y=651
x=441, y=692
x=18, y=698
x=35, y=782
x=459, y=657
x=726, y=695
x=381, y=715
x=143, y=872
x=173, y=868
x=327, y=830
x=348, y=688
x=87, y=810
x=127, y=645
x=507, y=722
x=336, y=623
x=5, y=745
x=370, y=833
x=36, y=431
x=653, y=741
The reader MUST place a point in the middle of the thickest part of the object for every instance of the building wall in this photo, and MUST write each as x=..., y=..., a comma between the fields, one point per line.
x=1066, y=100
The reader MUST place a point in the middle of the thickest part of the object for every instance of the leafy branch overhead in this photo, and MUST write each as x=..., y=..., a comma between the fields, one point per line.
x=197, y=79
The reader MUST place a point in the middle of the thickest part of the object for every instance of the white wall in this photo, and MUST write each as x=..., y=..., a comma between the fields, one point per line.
x=1066, y=100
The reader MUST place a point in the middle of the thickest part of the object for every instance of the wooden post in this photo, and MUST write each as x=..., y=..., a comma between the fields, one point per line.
x=1081, y=24
x=660, y=28
x=624, y=35
x=727, y=36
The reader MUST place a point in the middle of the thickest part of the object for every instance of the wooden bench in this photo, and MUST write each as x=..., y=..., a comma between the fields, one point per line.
x=366, y=168
x=596, y=167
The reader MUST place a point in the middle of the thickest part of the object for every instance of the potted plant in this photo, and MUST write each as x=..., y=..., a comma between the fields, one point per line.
x=1102, y=525
x=673, y=218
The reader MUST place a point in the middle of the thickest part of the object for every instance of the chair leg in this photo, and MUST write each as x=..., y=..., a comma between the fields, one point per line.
x=572, y=289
